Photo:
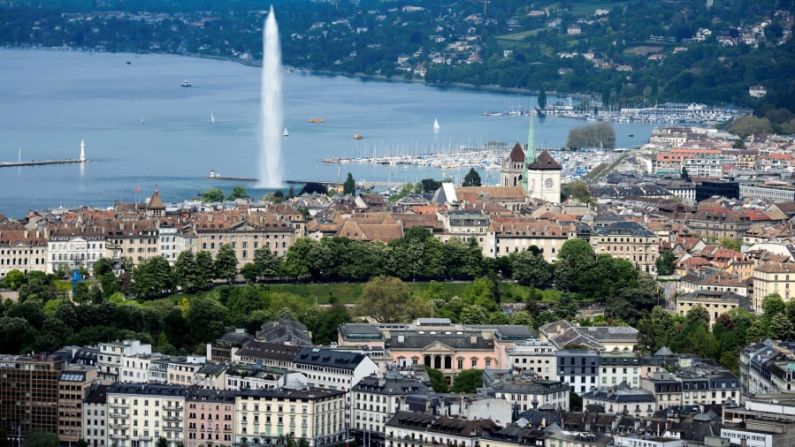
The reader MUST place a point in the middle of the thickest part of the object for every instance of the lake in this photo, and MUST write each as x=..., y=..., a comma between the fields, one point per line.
x=143, y=130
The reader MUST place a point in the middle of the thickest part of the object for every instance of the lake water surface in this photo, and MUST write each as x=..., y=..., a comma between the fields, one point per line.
x=142, y=129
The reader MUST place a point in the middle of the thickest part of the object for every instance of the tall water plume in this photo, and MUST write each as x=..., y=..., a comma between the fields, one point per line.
x=271, y=119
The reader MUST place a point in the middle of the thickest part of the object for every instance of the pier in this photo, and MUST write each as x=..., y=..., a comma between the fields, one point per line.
x=327, y=183
x=62, y=161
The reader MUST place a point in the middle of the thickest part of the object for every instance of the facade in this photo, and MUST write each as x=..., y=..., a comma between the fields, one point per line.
x=209, y=418
x=771, y=191
x=508, y=235
x=245, y=234
x=579, y=368
x=622, y=399
x=140, y=414
x=543, y=178
x=619, y=367
x=766, y=367
x=631, y=241
x=536, y=356
x=414, y=429
x=73, y=385
x=314, y=415
x=773, y=277
x=22, y=250
x=135, y=241
x=95, y=421
x=692, y=387
x=333, y=370
x=29, y=394
x=374, y=401
x=715, y=303
x=74, y=247
x=531, y=394
x=109, y=360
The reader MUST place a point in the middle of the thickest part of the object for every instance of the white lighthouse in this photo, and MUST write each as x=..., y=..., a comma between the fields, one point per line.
x=82, y=151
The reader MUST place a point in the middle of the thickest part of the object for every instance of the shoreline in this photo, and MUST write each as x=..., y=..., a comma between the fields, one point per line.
x=300, y=70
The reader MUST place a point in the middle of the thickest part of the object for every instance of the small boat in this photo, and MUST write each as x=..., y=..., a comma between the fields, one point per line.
x=631, y=135
x=186, y=83
x=142, y=120
x=357, y=136
x=317, y=120
x=212, y=118
x=285, y=133
x=436, y=126
x=129, y=63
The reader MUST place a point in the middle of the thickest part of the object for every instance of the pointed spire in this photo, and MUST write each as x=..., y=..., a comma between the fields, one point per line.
x=530, y=153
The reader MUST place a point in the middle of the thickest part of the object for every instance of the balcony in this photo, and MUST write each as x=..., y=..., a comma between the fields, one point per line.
x=118, y=426
x=172, y=428
x=118, y=415
x=172, y=418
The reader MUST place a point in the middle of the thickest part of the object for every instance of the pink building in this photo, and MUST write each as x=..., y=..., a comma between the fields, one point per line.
x=209, y=418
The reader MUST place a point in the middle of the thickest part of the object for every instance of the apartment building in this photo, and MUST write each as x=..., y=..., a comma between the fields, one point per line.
x=619, y=367
x=579, y=368
x=73, y=385
x=22, y=250
x=622, y=399
x=508, y=235
x=766, y=367
x=140, y=414
x=631, y=241
x=415, y=429
x=95, y=421
x=530, y=394
x=29, y=388
x=245, y=233
x=209, y=418
x=715, y=303
x=536, y=356
x=135, y=241
x=333, y=370
x=773, y=278
x=311, y=414
x=374, y=401
x=112, y=354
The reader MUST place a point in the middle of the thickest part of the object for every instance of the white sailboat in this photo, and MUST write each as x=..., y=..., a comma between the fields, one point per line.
x=212, y=118
x=436, y=126
x=285, y=133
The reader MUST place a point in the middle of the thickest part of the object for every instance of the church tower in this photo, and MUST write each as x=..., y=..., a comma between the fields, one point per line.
x=512, y=169
x=542, y=173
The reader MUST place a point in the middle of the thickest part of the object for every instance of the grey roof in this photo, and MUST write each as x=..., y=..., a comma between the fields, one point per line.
x=208, y=395
x=329, y=358
x=456, y=341
x=235, y=338
x=285, y=331
x=149, y=389
x=270, y=351
x=665, y=351
x=544, y=162
x=212, y=369
x=360, y=331
x=625, y=229
x=713, y=296
x=287, y=393
x=619, y=393
x=389, y=386
x=97, y=394
x=529, y=386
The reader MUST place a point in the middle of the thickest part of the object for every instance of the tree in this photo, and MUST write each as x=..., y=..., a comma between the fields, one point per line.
x=185, y=272
x=153, y=277
x=389, y=300
x=772, y=305
x=249, y=272
x=598, y=135
x=656, y=329
x=103, y=266
x=575, y=257
x=578, y=190
x=542, y=99
x=665, y=263
x=746, y=126
x=14, y=279
x=207, y=319
x=41, y=439
x=472, y=178
x=204, y=270
x=267, y=264
x=349, y=187
x=522, y=318
x=212, y=195
x=731, y=244
x=238, y=192
x=474, y=314
x=16, y=335
x=468, y=381
x=531, y=269
x=225, y=265
x=161, y=442
x=438, y=382
x=780, y=327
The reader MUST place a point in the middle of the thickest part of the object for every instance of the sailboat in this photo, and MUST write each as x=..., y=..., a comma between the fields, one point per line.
x=212, y=118
x=285, y=133
x=436, y=125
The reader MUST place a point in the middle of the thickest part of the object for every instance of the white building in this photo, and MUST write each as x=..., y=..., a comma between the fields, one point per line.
x=109, y=360
x=140, y=414
x=334, y=370
x=531, y=394
x=70, y=248
x=315, y=415
x=95, y=422
x=536, y=356
x=375, y=400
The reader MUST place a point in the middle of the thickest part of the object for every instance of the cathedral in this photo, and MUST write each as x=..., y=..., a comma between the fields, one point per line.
x=539, y=176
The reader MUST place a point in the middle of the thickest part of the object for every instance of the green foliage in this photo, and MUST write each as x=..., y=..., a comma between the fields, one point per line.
x=153, y=277
x=576, y=256
x=597, y=135
x=666, y=263
x=530, y=269
x=388, y=300
x=578, y=190
x=746, y=126
x=14, y=279
x=438, y=382
x=472, y=178
x=225, y=265
x=41, y=439
x=266, y=263
x=468, y=381
x=349, y=186
x=212, y=195
x=238, y=192
x=731, y=244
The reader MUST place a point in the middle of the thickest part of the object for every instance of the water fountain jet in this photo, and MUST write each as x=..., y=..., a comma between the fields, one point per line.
x=271, y=118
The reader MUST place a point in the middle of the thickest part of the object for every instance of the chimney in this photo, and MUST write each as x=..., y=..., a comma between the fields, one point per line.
x=473, y=339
